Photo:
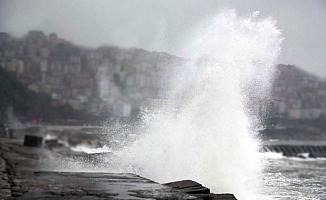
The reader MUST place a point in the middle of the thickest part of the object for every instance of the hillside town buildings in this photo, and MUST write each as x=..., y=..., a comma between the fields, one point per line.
x=107, y=80
x=118, y=82
x=298, y=94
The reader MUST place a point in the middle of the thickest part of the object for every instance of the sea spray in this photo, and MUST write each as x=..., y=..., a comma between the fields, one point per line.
x=205, y=130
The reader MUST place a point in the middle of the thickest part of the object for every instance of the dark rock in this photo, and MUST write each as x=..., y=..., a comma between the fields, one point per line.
x=33, y=141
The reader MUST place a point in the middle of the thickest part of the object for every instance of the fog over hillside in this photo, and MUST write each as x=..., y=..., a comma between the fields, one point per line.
x=167, y=25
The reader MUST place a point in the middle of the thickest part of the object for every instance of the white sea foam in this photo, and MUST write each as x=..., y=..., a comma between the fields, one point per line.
x=89, y=150
x=50, y=137
x=272, y=155
x=205, y=133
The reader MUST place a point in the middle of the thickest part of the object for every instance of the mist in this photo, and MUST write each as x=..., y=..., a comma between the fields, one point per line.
x=163, y=25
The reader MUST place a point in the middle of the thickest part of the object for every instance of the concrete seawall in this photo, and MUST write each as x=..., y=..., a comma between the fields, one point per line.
x=296, y=149
x=30, y=173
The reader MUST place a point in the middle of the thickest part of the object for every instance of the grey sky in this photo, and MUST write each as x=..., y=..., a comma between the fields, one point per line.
x=161, y=24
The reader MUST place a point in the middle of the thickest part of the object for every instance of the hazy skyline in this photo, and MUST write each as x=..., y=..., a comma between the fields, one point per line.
x=162, y=25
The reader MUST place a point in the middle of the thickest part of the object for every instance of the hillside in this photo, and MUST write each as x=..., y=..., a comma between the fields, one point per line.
x=298, y=94
x=104, y=81
x=29, y=105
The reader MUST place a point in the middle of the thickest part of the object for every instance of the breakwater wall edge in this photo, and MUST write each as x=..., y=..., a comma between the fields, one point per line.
x=292, y=150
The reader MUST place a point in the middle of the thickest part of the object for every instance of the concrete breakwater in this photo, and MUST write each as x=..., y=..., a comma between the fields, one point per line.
x=72, y=135
x=76, y=138
x=32, y=173
x=296, y=149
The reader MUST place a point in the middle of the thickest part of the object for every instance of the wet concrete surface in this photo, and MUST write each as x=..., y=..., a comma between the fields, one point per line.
x=24, y=175
x=32, y=173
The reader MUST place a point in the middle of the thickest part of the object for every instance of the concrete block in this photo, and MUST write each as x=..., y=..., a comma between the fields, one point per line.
x=284, y=150
x=291, y=149
x=33, y=141
x=295, y=149
x=305, y=149
x=196, y=190
x=3, y=132
x=183, y=184
x=320, y=149
x=266, y=149
x=315, y=154
x=277, y=149
x=216, y=197
x=272, y=149
x=11, y=133
x=52, y=143
x=223, y=197
x=189, y=187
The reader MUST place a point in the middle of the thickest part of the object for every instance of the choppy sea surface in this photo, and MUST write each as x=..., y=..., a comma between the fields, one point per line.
x=294, y=178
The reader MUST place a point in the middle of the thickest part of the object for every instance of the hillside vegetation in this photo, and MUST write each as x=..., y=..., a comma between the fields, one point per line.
x=28, y=105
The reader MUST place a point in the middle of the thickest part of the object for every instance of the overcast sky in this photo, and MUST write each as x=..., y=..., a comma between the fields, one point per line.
x=161, y=24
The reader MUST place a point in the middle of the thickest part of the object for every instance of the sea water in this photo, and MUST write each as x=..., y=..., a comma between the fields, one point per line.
x=293, y=178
